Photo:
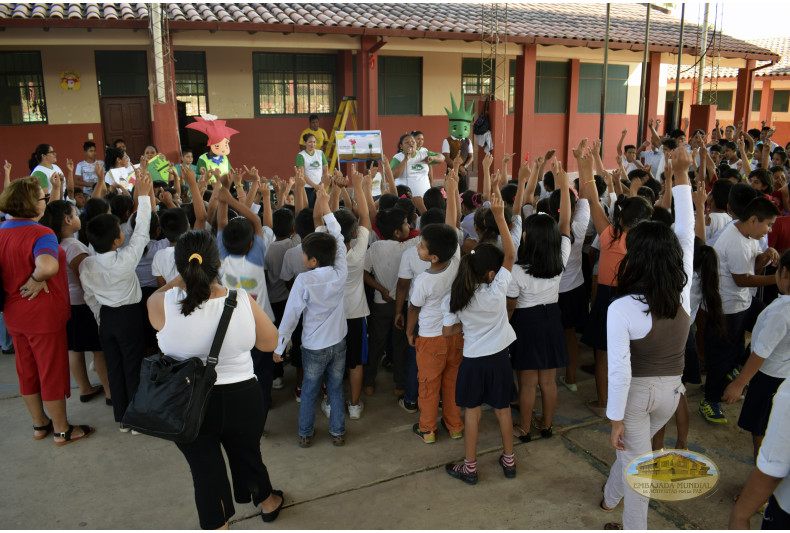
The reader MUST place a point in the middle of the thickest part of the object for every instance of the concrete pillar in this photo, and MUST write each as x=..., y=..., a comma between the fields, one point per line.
x=766, y=102
x=702, y=117
x=524, y=112
x=743, y=93
x=572, y=116
x=165, y=127
x=651, y=91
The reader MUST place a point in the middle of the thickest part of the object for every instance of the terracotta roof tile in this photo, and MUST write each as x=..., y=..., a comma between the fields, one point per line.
x=575, y=22
x=778, y=45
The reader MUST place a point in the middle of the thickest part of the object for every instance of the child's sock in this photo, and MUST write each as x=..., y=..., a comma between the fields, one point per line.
x=509, y=460
x=470, y=467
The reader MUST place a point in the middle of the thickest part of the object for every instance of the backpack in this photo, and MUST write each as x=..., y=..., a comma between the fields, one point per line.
x=482, y=123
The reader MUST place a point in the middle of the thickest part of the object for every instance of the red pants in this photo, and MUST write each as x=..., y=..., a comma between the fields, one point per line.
x=438, y=359
x=42, y=364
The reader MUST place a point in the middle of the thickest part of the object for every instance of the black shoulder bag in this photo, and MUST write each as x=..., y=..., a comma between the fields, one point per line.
x=173, y=394
x=483, y=123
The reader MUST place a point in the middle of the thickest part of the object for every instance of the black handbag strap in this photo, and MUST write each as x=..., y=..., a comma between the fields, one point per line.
x=219, y=337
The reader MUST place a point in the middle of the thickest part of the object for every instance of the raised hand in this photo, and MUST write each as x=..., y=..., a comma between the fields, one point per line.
x=451, y=184
x=681, y=159
x=56, y=180
x=578, y=152
x=225, y=181
x=253, y=172
x=457, y=162
x=7, y=167
x=143, y=184
x=498, y=207
x=70, y=165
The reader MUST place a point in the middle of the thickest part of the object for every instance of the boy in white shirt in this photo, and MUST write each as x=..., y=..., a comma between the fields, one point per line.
x=318, y=295
x=739, y=254
x=383, y=260
x=113, y=293
x=173, y=223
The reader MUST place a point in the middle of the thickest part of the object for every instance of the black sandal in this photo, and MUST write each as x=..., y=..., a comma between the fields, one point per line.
x=48, y=428
x=85, y=398
x=545, y=432
x=87, y=431
x=271, y=517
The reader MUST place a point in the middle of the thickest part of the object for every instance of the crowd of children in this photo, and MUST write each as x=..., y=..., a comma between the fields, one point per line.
x=474, y=298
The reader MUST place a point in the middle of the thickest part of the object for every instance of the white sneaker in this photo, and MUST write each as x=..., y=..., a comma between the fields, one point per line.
x=355, y=411
x=125, y=430
x=136, y=432
x=570, y=386
x=91, y=367
x=278, y=384
x=325, y=407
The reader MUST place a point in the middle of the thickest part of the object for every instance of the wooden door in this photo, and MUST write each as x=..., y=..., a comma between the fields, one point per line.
x=127, y=118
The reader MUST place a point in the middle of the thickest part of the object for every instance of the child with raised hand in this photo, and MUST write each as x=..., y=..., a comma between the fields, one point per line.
x=627, y=213
x=318, y=295
x=540, y=349
x=476, y=307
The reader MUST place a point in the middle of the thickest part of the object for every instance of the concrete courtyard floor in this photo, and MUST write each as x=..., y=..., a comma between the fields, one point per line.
x=384, y=477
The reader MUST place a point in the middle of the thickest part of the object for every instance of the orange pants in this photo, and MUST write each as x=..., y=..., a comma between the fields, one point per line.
x=438, y=359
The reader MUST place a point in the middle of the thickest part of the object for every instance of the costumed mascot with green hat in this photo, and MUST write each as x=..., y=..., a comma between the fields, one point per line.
x=459, y=143
x=218, y=144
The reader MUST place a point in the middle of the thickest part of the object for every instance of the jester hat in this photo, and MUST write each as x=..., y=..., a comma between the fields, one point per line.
x=215, y=129
x=460, y=113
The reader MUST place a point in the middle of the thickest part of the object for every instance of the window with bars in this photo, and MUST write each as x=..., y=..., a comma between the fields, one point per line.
x=190, y=69
x=22, y=99
x=472, y=80
x=294, y=84
x=400, y=85
x=551, y=87
x=591, y=85
x=722, y=100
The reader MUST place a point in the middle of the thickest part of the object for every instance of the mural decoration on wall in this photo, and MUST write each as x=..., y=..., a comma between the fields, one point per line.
x=218, y=143
x=70, y=80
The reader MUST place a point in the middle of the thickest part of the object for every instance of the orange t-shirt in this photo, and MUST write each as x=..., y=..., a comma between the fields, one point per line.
x=610, y=257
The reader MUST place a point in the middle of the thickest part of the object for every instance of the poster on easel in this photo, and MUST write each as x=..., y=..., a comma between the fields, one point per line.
x=358, y=146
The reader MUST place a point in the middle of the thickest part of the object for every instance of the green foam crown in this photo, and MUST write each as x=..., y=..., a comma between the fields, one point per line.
x=460, y=113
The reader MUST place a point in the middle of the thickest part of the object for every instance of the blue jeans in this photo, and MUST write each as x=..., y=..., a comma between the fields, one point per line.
x=330, y=364
x=5, y=339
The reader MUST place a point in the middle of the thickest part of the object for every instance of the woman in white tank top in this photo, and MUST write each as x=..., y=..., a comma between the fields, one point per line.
x=186, y=312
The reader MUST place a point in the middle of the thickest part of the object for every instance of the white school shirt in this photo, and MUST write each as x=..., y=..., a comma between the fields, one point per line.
x=629, y=319
x=736, y=256
x=530, y=291
x=411, y=266
x=319, y=294
x=655, y=159
x=487, y=330
x=430, y=288
x=247, y=271
x=74, y=249
x=572, y=276
x=695, y=296
x=774, y=457
x=88, y=173
x=108, y=278
x=144, y=268
x=383, y=259
x=415, y=175
x=717, y=223
x=273, y=263
x=292, y=263
x=183, y=337
x=355, y=304
x=771, y=338
x=164, y=264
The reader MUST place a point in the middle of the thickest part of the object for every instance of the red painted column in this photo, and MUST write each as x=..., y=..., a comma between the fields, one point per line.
x=743, y=93
x=766, y=102
x=524, y=113
x=651, y=91
x=572, y=116
x=367, y=85
x=345, y=74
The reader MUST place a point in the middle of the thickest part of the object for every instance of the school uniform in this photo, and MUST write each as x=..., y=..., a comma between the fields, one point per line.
x=438, y=357
x=318, y=296
x=81, y=329
x=87, y=171
x=164, y=263
x=275, y=286
x=537, y=319
x=112, y=291
x=293, y=266
x=573, y=297
x=355, y=305
x=774, y=460
x=485, y=374
x=771, y=342
x=737, y=254
x=149, y=285
x=382, y=260
x=410, y=267
x=717, y=223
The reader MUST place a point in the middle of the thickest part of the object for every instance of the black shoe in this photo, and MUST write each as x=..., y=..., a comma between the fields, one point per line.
x=590, y=369
x=84, y=398
x=9, y=351
x=108, y=401
x=271, y=517
x=409, y=407
x=455, y=470
x=338, y=440
x=509, y=471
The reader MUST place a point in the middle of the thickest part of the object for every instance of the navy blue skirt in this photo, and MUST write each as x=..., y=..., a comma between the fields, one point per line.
x=575, y=308
x=487, y=379
x=595, y=332
x=756, y=408
x=540, y=338
x=82, y=332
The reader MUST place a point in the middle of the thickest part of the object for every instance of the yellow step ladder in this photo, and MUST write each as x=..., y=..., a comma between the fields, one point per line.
x=348, y=108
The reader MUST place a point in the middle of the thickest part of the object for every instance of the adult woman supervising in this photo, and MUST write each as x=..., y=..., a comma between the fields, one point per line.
x=42, y=165
x=316, y=167
x=234, y=417
x=37, y=308
x=646, y=335
x=410, y=168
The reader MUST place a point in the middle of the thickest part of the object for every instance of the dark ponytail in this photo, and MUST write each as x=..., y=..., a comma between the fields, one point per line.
x=706, y=265
x=628, y=212
x=93, y=208
x=197, y=260
x=54, y=214
x=35, y=157
x=472, y=270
